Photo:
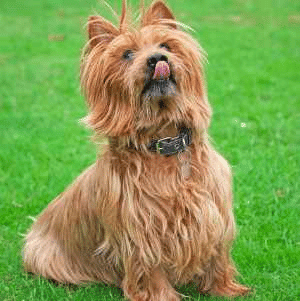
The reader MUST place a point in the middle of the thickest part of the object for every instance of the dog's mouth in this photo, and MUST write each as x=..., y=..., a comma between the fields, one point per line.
x=159, y=84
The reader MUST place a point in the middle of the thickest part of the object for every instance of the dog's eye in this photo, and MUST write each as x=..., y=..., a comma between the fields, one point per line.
x=165, y=46
x=128, y=55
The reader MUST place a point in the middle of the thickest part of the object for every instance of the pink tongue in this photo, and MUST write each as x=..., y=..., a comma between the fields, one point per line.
x=162, y=70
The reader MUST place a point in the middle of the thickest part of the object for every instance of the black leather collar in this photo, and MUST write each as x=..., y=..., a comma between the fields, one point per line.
x=172, y=146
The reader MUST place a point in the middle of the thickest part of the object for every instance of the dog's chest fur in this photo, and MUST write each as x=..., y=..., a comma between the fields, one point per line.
x=168, y=220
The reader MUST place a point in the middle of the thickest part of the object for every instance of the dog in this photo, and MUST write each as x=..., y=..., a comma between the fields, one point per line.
x=155, y=209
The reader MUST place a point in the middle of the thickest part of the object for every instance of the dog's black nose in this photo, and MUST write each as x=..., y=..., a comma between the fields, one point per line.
x=155, y=58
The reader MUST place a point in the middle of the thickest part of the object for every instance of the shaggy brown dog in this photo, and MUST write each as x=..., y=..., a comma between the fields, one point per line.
x=153, y=211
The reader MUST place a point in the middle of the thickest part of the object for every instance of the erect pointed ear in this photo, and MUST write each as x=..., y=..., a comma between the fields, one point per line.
x=101, y=31
x=157, y=12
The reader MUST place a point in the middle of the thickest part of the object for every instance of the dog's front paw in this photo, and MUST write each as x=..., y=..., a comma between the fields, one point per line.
x=152, y=295
x=231, y=289
x=145, y=296
x=224, y=287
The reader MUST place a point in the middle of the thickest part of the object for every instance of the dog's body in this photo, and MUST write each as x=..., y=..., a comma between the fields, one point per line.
x=136, y=218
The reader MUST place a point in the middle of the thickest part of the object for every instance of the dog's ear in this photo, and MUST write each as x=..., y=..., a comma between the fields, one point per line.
x=159, y=12
x=100, y=31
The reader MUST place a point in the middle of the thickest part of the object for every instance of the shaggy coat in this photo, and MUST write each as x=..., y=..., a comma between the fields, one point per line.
x=135, y=218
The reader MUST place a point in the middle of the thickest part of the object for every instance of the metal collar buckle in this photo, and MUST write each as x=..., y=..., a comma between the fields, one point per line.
x=158, y=146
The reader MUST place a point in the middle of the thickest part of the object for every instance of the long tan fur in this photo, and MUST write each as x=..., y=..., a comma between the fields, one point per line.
x=132, y=218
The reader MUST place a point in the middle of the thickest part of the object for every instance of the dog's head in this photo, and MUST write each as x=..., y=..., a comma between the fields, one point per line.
x=138, y=78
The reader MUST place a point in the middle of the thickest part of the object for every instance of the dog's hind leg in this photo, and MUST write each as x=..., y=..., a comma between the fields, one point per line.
x=43, y=255
x=61, y=244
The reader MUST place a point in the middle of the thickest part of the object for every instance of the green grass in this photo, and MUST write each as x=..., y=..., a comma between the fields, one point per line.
x=253, y=83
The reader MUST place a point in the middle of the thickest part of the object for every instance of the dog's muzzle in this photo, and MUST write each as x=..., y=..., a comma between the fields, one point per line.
x=159, y=81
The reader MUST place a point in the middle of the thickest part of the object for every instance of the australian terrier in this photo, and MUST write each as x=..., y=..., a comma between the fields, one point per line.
x=155, y=210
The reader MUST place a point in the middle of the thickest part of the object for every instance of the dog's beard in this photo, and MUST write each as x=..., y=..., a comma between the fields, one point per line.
x=158, y=94
x=156, y=90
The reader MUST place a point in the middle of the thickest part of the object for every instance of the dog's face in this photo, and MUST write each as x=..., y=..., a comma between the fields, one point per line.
x=135, y=79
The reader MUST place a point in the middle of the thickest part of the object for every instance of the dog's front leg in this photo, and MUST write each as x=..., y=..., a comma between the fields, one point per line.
x=144, y=283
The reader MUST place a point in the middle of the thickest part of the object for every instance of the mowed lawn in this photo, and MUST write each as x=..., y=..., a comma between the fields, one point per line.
x=253, y=80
